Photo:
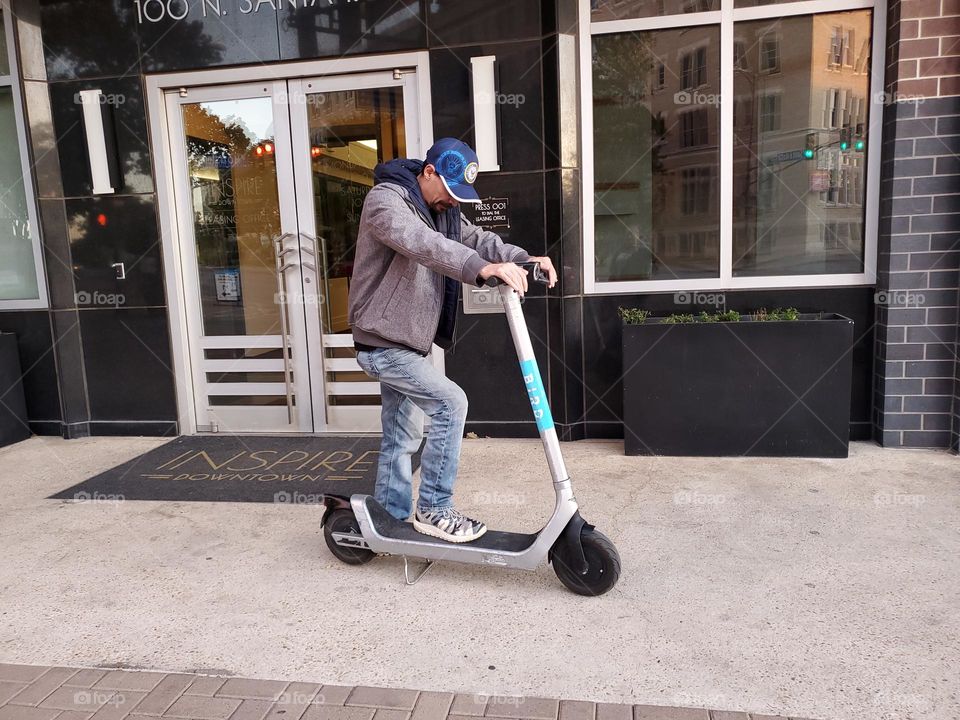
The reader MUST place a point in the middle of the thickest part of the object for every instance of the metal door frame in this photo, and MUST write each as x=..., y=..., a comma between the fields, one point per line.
x=161, y=143
x=360, y=418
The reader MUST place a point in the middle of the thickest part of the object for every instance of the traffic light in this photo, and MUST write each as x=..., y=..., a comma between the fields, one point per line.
x=810, y=150
x=844, y=139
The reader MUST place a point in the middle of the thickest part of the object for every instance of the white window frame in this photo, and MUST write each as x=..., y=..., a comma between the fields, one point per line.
x=726, y=18
x=13, y=82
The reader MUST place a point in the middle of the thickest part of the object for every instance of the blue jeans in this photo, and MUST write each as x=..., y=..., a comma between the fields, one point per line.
x=410, y=387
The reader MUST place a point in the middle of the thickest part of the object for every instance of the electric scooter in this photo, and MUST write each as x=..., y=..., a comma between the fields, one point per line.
x=358, y=528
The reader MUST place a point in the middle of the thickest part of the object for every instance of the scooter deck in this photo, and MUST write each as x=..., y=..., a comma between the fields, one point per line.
x=496, y=540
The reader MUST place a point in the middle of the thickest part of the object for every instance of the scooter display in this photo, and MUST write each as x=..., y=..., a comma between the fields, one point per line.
x=358, y=528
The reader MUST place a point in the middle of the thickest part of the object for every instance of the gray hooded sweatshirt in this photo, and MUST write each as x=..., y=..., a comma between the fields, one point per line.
x=397, y=288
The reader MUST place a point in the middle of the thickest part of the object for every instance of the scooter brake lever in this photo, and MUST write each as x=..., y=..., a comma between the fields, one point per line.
x=538, y=274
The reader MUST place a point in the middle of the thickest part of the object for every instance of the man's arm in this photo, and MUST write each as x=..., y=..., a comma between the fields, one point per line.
x=489, y=245
x=388, y=217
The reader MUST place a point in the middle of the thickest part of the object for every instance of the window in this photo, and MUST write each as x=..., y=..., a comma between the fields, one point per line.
x=770, y=53
x=21, y=269
x=693, y=128
x=655, y=156
x=693, y=69
x=793, y=201
x=769, y=113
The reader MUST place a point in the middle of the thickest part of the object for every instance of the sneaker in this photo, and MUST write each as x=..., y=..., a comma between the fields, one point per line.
x=448, y=524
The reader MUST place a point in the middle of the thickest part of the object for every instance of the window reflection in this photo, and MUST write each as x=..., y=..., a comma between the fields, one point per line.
x=800, y=127
x=656, y=154
x=625, y=9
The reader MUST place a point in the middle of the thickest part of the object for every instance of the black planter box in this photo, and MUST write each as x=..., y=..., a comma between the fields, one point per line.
x=772, y=388
x=13, y=407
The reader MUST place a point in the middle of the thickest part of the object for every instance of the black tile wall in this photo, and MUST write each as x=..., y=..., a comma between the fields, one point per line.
x=124, y=100
x=107, y=230
x=128, y=367
x=460, y=23
x=373, y=26
x=519, y=100
x=89, y=39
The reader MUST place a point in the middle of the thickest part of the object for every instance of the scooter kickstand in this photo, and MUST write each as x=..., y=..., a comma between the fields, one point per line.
x=406, y=571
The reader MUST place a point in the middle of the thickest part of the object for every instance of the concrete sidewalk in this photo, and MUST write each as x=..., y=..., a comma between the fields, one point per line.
x=813, y=588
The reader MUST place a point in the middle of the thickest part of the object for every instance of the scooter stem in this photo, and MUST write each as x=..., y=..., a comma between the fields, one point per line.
x=534, y=383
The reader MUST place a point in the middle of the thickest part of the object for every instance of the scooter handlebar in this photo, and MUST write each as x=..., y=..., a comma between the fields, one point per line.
x=531, y=267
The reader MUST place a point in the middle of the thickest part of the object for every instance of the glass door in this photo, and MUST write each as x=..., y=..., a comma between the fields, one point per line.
x=341, y=128
x=240, y=257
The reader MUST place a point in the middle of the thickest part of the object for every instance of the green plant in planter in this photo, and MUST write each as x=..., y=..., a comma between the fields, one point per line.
x=707, y=317
x=678, y=319
x=728, y=316
x=633, y=316
x=776, y=314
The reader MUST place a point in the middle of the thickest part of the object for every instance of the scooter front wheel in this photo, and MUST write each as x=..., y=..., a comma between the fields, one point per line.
x=344, y=521
x=603, y=564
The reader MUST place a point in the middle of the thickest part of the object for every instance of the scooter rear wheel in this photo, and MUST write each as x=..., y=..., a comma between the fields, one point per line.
x=344, y=521
x=603, y=564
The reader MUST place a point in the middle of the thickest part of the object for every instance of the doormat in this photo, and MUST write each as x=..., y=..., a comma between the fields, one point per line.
x=243, y=468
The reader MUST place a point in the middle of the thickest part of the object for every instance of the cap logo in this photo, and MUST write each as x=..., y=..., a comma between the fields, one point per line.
x=450, y=165
x=470, y=172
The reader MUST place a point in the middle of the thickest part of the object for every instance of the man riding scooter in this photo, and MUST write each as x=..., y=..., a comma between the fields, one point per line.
x=414, y=248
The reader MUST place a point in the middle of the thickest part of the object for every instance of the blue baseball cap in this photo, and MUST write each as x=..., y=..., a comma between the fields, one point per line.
x=457, y=166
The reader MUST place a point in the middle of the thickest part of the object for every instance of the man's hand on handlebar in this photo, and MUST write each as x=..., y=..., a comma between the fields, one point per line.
x=509, y=273
x=516, y=276
x=546, y=264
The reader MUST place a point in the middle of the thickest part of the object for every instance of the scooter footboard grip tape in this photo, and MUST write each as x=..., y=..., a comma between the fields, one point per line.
x=537, y=395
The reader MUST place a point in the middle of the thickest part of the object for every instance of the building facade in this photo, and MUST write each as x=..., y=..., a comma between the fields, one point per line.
x=190, y=173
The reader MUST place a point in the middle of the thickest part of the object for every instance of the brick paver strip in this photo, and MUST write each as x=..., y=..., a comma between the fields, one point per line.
x=382, y=697
x=656, y=712
x=119, y=706
x=252, y=710
x=82, y=699
x=432, y=706
x=21, y=673
x=164, y=694
x=528, y=708
x=335, y=712
x=576, y=710
x=54, y=693
x=205, y=685
x=129, y=680
x=35, y=692
x=333, y=694
x=468, y=704
x=293, y=701
x=252, y=689
x=613, y=711
x=388, y=714
x=14, y=712
x=85, y=678
x=10, y=689
x=197, y=707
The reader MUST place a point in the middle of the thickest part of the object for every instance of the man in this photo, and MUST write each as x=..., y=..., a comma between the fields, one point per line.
x=414, y=248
